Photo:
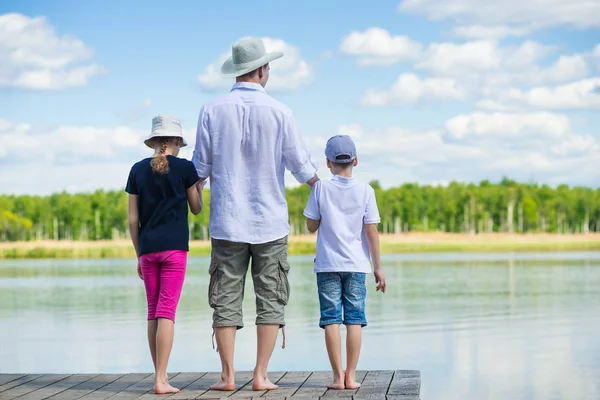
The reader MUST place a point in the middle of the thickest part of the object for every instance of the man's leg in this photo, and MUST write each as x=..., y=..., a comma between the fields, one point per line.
x=228, y=269
x=269, y=274
x=354, y=293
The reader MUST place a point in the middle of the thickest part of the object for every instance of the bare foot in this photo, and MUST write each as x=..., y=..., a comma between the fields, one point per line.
x=336, y=385
x=226, y=385
x=263, y=383
x=352, y=384
x=164, y=388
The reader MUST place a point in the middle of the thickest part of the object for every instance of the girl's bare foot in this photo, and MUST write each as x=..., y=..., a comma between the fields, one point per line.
x=263, y=383
x=338, y=382
x=352, y=384
x=225, y=384
x=164, y=388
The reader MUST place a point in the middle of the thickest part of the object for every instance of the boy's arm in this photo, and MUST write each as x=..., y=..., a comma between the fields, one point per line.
x=312, y=224
x=373, y=241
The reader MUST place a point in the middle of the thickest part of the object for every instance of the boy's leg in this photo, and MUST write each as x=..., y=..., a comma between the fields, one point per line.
x=329, y=286
x=229, y=264
x=172, y=276
x=353, y=297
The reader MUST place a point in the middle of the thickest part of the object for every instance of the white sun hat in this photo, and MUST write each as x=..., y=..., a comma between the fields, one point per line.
x=165, y=126
x=248, y=54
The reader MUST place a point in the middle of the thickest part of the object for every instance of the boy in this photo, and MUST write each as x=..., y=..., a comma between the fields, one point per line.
x=345, y=213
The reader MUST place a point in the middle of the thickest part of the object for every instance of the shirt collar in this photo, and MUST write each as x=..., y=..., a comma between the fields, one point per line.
x=248, y=86
x=342, y=179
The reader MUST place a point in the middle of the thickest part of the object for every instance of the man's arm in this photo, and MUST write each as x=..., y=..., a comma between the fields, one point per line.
x=295, y=154
x=202, y=156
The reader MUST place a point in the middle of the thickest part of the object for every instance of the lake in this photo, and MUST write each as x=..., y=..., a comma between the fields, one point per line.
x=478, y=326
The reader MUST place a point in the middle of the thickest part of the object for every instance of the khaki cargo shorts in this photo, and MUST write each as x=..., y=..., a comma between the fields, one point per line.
x=228, y=267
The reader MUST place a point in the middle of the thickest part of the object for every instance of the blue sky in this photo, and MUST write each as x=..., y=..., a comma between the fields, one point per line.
x=432, y=91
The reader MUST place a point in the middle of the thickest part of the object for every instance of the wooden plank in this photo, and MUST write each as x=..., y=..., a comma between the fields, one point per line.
x=288, y=385
x=246, y=391
x=314, y=386
x=33, y=385
x=360, y=376
x=241, y=379
x=198, y=387
x=375, y=385
x=6, y=378
x=136, y=390
x=180, y=381
x=405, y=383
x=18, y=381
x=57, y=387
x=402, y=397
x=87, y=387
x=115, y=387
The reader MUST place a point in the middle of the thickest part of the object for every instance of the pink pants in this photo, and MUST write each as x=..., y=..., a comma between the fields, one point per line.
x=163, y=274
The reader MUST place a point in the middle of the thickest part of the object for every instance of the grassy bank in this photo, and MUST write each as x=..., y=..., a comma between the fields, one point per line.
x=305, y=245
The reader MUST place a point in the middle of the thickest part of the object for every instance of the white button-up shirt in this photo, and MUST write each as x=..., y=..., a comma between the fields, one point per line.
x=244, y=142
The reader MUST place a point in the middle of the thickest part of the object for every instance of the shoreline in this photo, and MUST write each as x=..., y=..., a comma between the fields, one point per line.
x=305, y=245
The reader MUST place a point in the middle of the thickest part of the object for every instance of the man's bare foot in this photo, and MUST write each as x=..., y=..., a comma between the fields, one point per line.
x=352, y=384
x=263, y=383
x=164, y=388
x=226, y=385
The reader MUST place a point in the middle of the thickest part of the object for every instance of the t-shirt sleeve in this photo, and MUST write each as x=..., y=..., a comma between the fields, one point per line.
x=191, y=175
x=371, y=210
x=131, y=186
x=312, y=209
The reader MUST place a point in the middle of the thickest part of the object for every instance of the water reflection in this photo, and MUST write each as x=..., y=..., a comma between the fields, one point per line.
x=482, y=326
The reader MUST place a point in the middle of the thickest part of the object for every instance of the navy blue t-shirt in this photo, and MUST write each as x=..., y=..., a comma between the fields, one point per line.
x=162, y=204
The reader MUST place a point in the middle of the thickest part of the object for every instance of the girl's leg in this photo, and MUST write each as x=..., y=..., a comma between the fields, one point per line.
x=172, y=274
x=150, y=272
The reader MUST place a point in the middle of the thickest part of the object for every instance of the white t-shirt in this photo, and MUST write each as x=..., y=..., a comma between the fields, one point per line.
x=344, y=206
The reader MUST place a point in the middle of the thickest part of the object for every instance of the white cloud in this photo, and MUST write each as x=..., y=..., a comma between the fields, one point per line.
x=287, y=73
x=479, y=146
x=375, y=46
x=487, y=32
x=583, y=94
x=34, y=57
x=409, y=88
x=508, y=17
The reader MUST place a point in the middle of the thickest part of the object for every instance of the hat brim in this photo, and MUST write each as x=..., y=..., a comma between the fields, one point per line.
x=148, y=141
x=230, y=69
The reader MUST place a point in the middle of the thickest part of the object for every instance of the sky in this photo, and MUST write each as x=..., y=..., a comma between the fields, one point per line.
x=431, y=91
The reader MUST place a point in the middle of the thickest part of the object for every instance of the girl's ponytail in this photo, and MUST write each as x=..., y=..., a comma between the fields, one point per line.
x=159, y=163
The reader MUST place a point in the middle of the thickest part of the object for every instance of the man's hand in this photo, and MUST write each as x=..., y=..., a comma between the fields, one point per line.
x=312, y=180
x=200, y=185
x=139, y=270
x=380, y=280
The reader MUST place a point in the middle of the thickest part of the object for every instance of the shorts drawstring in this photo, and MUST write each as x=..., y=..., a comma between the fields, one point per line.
x=213, y=341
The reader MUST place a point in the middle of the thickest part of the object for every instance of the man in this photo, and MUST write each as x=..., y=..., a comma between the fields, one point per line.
x=245, y=141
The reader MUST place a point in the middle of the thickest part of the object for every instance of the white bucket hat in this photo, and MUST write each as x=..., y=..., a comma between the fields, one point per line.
x=165, y=126
x=248, y=54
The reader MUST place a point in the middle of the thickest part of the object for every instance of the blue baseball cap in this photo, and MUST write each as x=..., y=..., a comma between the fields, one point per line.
x=340, y=149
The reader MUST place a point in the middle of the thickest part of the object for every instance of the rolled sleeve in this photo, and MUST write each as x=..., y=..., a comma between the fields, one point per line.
x=202, y=157
x=295, y=154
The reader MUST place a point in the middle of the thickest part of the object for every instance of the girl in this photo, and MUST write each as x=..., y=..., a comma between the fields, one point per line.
x=160, y=189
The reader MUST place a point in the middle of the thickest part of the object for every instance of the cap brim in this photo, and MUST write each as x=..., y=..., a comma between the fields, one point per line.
x=229, y=69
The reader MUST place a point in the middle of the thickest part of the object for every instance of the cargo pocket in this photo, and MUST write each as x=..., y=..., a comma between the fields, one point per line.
x=213, y=285
x=283, y=285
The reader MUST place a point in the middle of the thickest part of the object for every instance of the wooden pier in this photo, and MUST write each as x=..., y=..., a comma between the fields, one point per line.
x=376, y=385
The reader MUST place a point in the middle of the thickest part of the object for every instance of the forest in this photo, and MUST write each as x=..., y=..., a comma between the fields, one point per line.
x=506, y=206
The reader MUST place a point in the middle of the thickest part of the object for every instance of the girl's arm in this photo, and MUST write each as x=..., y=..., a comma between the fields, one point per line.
x=194, y=197
x=134, y=223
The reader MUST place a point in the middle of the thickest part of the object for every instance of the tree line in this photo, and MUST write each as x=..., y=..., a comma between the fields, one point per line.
x=506, y=206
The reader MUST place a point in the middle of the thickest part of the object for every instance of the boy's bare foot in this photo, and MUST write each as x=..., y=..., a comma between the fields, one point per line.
x=263, y=383
x=352, y=384
x=164, y=388
x=225, y=384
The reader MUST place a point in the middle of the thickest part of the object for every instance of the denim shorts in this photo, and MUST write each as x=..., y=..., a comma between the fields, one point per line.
x=342, y=291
